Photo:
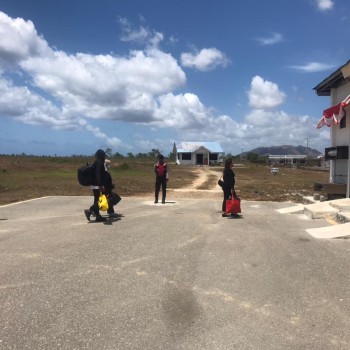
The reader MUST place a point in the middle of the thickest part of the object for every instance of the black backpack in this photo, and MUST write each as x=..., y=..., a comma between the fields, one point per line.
x=86, y=175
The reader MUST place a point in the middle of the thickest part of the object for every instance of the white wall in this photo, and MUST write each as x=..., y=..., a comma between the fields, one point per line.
x=193, y=160
x=340, y=171
x=341, y=93
x=340, y=137
x=185, y=162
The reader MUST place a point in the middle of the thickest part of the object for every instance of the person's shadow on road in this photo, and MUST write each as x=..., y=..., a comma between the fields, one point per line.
x=110, y=221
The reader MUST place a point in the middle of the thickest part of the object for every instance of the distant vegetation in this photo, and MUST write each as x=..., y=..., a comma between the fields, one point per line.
x=259, y=154
x=152, y=155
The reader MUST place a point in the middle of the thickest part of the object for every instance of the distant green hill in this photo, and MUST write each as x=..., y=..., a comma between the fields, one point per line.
x=284, y=150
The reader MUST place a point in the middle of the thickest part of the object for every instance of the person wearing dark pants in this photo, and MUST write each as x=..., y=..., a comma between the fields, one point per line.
x=97, y=186
x=229, y=184
x=162, y=177
x=112, y=197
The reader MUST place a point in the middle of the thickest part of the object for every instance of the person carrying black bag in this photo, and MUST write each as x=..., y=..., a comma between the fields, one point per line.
x=112, y=197
x=97, y=187
x=228, y=186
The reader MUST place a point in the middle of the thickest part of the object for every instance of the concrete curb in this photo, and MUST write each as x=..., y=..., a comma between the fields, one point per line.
x=320, y=210
x=337, y=210
x=336, y=231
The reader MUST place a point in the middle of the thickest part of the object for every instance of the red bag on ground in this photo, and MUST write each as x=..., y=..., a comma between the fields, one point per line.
x=233, y=206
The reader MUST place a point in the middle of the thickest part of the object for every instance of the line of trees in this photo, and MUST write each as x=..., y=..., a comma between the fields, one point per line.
x=142, y=156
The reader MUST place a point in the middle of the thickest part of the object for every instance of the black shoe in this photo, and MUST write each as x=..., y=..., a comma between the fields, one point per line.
x=163, y=202
x=224, y=215
x=100, y=219
x=156, y=201
x=87, y=213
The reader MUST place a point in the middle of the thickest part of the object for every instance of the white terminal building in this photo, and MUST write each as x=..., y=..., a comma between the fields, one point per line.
x=288, y=159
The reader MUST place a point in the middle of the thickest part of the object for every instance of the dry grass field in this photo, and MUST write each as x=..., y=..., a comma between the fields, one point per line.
x=26, y=177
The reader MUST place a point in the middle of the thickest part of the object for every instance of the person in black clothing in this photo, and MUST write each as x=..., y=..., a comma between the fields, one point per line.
x=97, y=187
x=229, y=184
x=112, y=197
x=162, y=177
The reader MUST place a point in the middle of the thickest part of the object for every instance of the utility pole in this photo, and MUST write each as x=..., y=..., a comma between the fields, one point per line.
x=307, y=147
x=307, y=143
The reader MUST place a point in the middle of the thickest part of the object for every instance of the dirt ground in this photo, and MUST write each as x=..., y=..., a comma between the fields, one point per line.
x=206, y=177
x=253, y=183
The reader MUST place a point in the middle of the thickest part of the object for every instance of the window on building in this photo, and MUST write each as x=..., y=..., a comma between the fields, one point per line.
x=213, y=156
x=186, y=156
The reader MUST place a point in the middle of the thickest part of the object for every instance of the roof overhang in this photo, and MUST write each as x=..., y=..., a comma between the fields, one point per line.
x=191, y=147
x=336, y=79
x=346, y=71
x=194, y=150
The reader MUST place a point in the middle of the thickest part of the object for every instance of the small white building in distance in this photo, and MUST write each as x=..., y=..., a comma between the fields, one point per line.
x=288, y=159
x=197, y=153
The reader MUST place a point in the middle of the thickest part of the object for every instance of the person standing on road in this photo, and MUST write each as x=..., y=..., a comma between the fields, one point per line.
x=162, y=177
x=229, y=184
x=97, y=186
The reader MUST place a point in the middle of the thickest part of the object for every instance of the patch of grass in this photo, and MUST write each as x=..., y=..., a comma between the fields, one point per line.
x=257, y=183
x=31, y=177
x=123, y=166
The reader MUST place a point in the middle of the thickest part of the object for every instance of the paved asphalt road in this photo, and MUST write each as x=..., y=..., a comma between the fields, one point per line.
x=173, y=276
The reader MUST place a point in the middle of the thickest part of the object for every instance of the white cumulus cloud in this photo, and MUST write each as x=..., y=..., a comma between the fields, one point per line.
x=264, y=94
x=204, y=60
x=18, y=40
x=26, y=106
x=324, y=5
x=105, y=86
x=74, y=91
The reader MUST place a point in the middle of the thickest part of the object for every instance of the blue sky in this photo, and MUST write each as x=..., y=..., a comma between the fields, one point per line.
x=136, y=75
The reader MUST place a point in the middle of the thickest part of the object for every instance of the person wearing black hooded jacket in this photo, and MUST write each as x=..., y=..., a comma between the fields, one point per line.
x=228, y=187
x=112, y=197
x=97, y=186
